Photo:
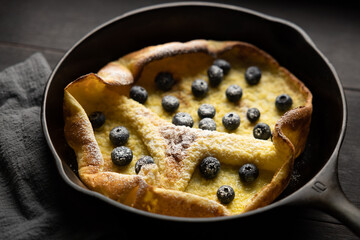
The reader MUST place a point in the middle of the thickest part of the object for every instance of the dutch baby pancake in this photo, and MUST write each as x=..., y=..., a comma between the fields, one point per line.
x=196, y=129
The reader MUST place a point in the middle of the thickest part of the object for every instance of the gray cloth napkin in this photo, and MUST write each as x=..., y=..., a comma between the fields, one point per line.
x=34, y=201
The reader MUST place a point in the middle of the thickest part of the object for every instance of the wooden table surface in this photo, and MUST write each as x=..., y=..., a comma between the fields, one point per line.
x=52, y=27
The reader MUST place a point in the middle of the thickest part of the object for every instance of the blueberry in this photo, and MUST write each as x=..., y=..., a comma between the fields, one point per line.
x=253, y=114
x=170, y=103
x=231, y=121
x=183, y=119
x=206, y=111
x=209, y=167
x=215, y=75
x=121, y=156
x=234, y=93
x=225, y=194
x=283, y=102
x=207, y=124
x=119, y=135
x=252, y=75
x=248, y=173
x=164, y=81
x=223, y=64
x=262, y=131
x=139, y=94
x=97, y=119
x=143, y=161
x=199, y=88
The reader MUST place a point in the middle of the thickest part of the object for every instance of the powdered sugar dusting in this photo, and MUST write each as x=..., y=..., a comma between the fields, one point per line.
x=178, y=140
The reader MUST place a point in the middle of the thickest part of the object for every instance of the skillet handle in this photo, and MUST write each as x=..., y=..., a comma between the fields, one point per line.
x=337, y=205
x=325, y=193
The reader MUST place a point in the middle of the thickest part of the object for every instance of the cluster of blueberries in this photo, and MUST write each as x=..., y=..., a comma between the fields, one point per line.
x=210, y=166
x=120, y=155
x=119, y=136
x=216, y=72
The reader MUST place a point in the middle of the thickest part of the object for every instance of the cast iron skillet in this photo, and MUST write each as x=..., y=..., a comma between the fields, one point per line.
x=314, y=181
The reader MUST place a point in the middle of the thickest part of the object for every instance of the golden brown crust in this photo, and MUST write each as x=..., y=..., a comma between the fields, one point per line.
x=135, y=61
x=177, y=203
x=133, y=190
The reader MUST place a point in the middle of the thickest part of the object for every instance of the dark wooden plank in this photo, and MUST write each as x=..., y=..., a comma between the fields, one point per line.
x=12, y=54
x=307, y=229
x=335, y=29
x=57, y=24
x=283, y=225
x=52, y=28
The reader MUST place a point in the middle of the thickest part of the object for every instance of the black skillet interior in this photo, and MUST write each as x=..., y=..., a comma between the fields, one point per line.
x=186, y=21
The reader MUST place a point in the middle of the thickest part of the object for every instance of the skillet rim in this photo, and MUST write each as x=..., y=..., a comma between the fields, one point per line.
x=293, y=197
